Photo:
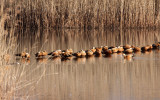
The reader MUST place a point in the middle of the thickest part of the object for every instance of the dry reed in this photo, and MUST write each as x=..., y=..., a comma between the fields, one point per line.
x=86, y=14
x=13, y=74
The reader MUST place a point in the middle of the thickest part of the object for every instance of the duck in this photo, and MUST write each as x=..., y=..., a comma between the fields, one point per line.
x=83, y=53
x=105, y=48
x=99, y=48
x=127, y=46
x=89, y=53
x=93, y=49
x=98, y=51
x=136, y=49
x=55, y=53
x=44, y=53
x=108, y=52
x=111, y=47
x=59, y=51
x=150, y=47
x=155, y=45
x=146, y=48
x=22, y=54
x=70, y=51
x=130, y=50
x=66, y=54
x=120, y=49
x=39, y=54
x=78, y=54
x=114, y=50
x=27, y=56
x=132, y=46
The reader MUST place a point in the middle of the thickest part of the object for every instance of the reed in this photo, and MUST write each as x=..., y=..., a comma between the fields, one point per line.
x=12, y=74
x=86, y=14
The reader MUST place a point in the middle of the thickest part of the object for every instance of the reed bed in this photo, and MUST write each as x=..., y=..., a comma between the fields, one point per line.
x=84, y=14
x=13, y=75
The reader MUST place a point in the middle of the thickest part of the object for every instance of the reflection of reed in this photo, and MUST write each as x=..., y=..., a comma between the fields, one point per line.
x=77, y=40
x=100, y=80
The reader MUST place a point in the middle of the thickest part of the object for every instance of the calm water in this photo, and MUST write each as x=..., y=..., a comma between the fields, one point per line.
x=94, y=78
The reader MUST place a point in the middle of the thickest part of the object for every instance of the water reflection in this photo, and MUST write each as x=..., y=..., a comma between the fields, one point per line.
x=104, y=77
x=77, y=40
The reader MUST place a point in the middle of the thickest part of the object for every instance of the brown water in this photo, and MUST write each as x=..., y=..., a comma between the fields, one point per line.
x=94, y=78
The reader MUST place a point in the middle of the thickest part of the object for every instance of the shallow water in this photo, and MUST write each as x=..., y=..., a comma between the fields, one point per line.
x=94, y=78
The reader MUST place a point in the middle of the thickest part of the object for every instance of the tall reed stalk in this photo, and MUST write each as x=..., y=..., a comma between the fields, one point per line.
x=35, y=14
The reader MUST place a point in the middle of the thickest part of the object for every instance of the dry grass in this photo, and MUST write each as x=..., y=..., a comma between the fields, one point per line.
x=13, y=75
x=80, y=14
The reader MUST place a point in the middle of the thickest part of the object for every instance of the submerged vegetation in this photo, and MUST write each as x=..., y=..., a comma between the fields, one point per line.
x=85, y=14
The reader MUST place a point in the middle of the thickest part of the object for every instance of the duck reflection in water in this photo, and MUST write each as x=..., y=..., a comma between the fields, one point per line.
x=90, y=58
x=128, y=57
x=41, y=60
x=80, y=60
x=66, y=58
x=23, y=60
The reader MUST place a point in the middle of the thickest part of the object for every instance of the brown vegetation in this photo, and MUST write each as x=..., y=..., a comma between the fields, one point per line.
x=80, y=13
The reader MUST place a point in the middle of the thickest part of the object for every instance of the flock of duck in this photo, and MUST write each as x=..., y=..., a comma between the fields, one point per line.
x=126, y=50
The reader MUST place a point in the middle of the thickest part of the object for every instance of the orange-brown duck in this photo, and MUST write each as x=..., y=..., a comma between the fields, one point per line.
x=70, y=51
x=155, y=45
x=111, y=47
x=93, y=49
x=105, y=48
x=66, y=54
x=83, y=53
x=120, y=49
x=146, y=48
x=127, y=46
x=99, y=48
x=56, y=53
x=136, y=49
x=44, y=53
x=27, y=55
x=78, y=54
x=98, y=51
x=89, y=53
x=150, y=47
x=108, y=52
x=130, y=50
x=132, y=46
x=114, y=50
x=39, y=54
x=59, y=52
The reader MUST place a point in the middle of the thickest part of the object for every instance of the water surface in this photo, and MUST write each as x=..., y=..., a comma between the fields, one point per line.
x=94, y=78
